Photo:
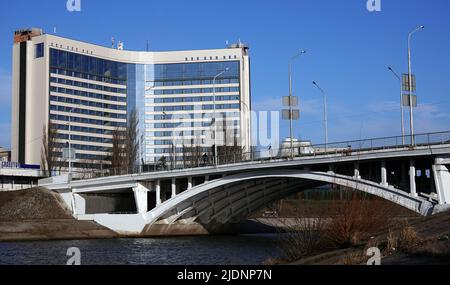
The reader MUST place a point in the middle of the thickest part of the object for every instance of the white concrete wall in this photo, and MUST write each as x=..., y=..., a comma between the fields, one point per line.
x=124, y=224
x=37, y=102
x=140, y=197
x=80, y=205
x=442, y=181
x=15, y=103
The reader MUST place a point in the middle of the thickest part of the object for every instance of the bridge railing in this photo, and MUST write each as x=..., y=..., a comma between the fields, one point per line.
x=306, y=151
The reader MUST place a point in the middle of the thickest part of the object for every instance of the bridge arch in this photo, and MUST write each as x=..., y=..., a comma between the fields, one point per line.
x=236, y=196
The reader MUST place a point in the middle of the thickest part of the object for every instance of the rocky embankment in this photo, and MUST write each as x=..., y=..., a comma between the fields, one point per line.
x=39, y=214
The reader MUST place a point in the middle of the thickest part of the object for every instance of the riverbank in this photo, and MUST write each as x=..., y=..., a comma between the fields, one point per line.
x=415, y=241
x=39, y=214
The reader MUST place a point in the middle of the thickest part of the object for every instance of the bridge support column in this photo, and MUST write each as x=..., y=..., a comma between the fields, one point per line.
x=357, y=174
x=412, y=178
x=140, y=196
x=441, y=175
x=158, y=192
x=384, y=181
x=189, y=186
x=331, y=169
x=79, y=205
x=174, y=187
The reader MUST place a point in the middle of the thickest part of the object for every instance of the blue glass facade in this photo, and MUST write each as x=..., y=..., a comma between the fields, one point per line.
x=159, y=92
x=186, y=91
x=100, y=106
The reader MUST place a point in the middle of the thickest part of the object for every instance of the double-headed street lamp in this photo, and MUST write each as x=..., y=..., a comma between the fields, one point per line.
x=401, y=104
x=411, y=116
x=214, y=114
x=325, y=113
x=291, y=100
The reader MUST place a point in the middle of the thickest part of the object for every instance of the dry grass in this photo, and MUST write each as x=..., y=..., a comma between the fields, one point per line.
x=439, y=250
x=405, y=239
x=357, y=219
x=353, y=258
x=303, y=237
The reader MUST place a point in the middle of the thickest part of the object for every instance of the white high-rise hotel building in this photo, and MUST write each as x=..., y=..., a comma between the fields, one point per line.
x=93, y=88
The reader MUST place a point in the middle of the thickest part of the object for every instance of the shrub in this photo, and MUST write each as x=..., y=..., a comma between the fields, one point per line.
x=358, y=218
x=304, y=237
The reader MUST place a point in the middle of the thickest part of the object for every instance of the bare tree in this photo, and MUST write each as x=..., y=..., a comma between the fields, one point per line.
x=117, y=152
x=124, y=151
x=131, y=141
x=50, y=150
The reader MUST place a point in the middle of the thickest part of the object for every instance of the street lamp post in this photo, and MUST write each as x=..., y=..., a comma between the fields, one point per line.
x=401, y=104
x=291, y=100
x=249, y=124
x=411, y=116
x=214, y=114
x=325, y=114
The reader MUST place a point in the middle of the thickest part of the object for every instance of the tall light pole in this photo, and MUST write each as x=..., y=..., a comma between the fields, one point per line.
x=325, y=113
x=249, y=122
x=214, y=114
x=291, y=100
x=411, y=116
x=401, y=104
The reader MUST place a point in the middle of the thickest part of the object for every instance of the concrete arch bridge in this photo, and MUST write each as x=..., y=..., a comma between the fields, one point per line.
x=205, y=197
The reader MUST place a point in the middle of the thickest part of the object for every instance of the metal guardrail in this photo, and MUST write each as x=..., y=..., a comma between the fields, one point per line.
x=344, y=148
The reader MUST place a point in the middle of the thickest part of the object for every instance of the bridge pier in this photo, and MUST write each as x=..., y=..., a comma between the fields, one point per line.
x=189, y=186
x=412, y=178
x=442, y=180
x=330, y=169
x=384, y=181
x=79, y=205
x=357, y=173
x=174, y=187
x=140, y=196
x=158, y=192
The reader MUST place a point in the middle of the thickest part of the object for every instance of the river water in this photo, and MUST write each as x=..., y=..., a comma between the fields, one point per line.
x=208, y=250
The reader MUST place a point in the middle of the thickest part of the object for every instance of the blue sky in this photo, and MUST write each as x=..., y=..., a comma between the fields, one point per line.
x=348, y=47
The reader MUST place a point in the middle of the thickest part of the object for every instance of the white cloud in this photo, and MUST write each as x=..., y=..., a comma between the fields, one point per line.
x=384, y=106
x=431, y=118
x=377, y=120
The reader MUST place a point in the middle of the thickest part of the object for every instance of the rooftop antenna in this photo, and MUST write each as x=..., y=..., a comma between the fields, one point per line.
x=112, y=42
x=54, y=30
x=147, y=46
x=120, y=45
x=227, y=43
